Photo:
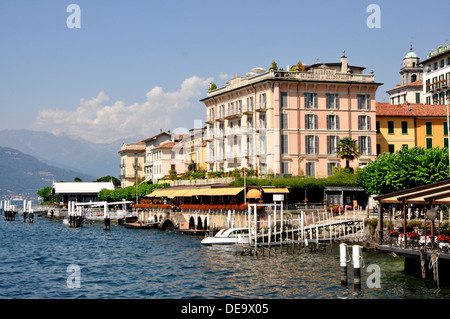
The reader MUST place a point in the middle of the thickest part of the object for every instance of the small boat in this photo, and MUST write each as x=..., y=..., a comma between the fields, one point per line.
x=65, y=221
x=228, y=236
x=138, y=225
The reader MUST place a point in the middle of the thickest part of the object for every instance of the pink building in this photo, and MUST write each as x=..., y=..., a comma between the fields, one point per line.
x=290, y=122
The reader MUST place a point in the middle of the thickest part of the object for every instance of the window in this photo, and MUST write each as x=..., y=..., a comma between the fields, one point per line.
x=332, y=144
x=310, y=169
x=391, y=127
x=284, y=167
x=417, y=97
x=364, y=145
x=332, y=101
x=262, y=144
x=284, y=143
x=250, y=145
x=445, y=128
x=239, y=107
x=332, y=122
x=311, y=144
x=250, y=103
x=391, y=148
x=284, y=99
x=331, y=167
x=363, y=102
x=262, y=121
x=429, y=129
x=364, y=123
x=378, y=126
x=404, y=127
x=311, y=100
x=378, y=149
x=262, y=100
x=429, y=142
x=284, y=121
x=445, y=142
x=310, y=121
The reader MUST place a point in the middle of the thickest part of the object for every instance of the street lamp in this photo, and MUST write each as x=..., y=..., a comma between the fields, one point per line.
x=448, y=135
x=136, y=175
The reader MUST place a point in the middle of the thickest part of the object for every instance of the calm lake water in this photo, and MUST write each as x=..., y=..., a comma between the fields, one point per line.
x=124, y=263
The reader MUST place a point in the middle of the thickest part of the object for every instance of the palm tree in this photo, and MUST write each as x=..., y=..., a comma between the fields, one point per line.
x=348, y=149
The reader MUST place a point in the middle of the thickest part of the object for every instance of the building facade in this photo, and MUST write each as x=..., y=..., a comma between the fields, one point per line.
x=150, y=170
x=131, y=163
x=410, y=125
x=290, y=122
x=194, y=148
x=436, y=76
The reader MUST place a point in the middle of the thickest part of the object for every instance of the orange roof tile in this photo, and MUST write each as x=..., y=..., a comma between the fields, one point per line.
x=414, y=110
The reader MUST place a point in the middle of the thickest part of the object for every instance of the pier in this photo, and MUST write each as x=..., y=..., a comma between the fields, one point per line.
x=417, y=237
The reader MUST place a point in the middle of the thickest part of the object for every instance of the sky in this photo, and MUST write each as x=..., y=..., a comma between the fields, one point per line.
x=135, y=67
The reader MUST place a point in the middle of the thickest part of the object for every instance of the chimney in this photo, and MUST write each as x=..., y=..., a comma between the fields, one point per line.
x=344, y=65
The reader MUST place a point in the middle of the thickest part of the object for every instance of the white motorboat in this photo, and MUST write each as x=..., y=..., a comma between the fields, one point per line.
x=228, y=236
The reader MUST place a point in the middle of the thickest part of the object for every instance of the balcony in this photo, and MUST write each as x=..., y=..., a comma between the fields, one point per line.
x=209, y=120
x=261, y=107
x=248, y=109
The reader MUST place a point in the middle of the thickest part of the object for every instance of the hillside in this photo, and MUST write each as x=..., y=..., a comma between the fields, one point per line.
x=66, y=152
x=22, y=174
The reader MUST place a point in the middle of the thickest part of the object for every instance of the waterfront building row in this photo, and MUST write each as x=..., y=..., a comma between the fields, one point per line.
x=290, y=122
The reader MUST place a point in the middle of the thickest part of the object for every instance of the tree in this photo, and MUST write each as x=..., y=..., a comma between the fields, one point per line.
x=348, y=150
x=45, y=193
x=108, y=178
x=274, y=66
x=404, y=169
x=77, y=179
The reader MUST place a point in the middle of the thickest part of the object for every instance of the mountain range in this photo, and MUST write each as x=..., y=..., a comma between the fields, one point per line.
x=31, y=160
x=23, y=175
x=67, y=152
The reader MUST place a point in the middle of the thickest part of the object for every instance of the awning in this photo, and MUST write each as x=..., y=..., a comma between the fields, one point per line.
x=226, y=191
x=438, y=192
x=253, y=193
x=276, y=190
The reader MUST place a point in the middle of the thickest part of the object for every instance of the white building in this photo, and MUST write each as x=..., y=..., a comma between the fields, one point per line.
x=436, y=76
x=79, y=191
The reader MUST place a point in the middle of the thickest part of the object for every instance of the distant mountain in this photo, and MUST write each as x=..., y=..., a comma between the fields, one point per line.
x=62, y=151
x=22, y=174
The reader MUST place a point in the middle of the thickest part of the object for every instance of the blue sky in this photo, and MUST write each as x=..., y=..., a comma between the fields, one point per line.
x=137, y=66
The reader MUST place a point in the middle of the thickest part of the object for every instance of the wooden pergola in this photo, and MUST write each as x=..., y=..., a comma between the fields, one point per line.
x=431, y=194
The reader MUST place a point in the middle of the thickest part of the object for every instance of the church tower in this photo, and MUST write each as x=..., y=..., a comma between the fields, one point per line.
x=411, y=71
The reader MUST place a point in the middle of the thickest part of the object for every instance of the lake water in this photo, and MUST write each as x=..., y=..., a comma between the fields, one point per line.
x=49, y=260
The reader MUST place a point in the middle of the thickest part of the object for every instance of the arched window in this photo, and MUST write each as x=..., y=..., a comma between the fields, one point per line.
x=413, y=78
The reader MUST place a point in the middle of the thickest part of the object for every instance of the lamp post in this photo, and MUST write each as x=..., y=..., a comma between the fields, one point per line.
x=448, y=135
x=136, y=175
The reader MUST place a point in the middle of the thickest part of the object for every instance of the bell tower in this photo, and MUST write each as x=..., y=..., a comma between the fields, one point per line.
x=411, y=71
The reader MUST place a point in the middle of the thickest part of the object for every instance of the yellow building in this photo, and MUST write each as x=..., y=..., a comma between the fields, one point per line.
x=195, y=150
x=131, y=163
x=410, y=125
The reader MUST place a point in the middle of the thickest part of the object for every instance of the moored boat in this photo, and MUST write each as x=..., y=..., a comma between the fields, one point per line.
x=228, y=236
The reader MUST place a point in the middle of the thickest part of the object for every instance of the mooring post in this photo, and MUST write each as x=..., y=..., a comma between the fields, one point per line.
x=357, y=266
x=343, y=263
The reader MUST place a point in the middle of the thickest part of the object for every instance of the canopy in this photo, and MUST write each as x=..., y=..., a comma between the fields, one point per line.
x=253, y=193
x=437, y=193
x=275, y=190
x=187, y=192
